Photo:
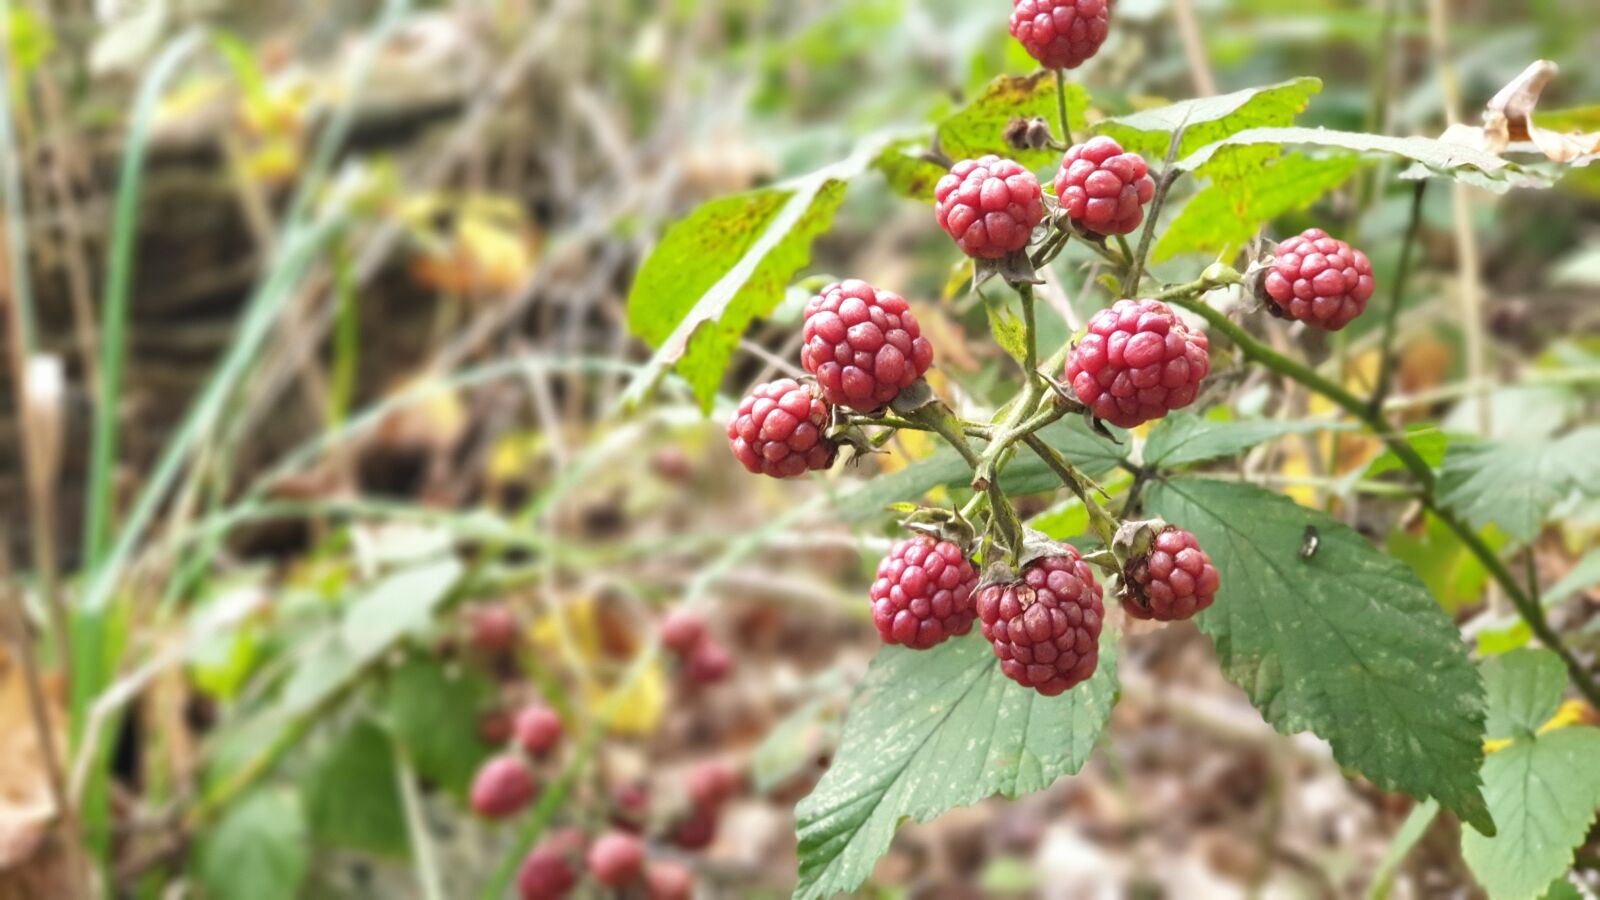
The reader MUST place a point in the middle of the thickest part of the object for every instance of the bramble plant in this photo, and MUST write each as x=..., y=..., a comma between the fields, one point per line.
x=1325, y=632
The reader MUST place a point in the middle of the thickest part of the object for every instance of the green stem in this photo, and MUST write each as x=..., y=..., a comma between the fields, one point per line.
x=1030, y=362
x=1102, y=522
x=1061, y=107
x=937, y=418
x=1391, y=320
x=1530, y=611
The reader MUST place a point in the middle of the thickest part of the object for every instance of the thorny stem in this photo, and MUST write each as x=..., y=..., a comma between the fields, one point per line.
x=938, y=418
x=1169, y=174
x=1030, y=363
x=1380, y=390
x=1061, y=107
x=1187, y=296
x=1104, y=526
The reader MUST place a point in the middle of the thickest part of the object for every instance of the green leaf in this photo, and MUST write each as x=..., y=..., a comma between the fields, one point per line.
x=30, y=41
x=1210, y=119
x=352, y=793
x=909, y=174
x=1183, y=438
x=1427, y=440
x=400, y=603
x=1515, y=483
x=935, y=729
x=978, y=128
x=1542, y=789
x=1249, y=186
x=433, y=714
x=724, y=265
x=1466, y=164
x=1346, y=643
x=1453, y=574
x=257, y=850
x=1007, y=329
x=1524, y=691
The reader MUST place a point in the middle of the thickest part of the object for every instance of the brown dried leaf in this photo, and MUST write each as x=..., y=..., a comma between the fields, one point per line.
x=1508, y=118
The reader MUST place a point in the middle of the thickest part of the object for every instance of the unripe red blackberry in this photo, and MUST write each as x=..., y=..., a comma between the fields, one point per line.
x=923, y=593
x=630, y=807
x=1173, y=581
x=1060, y=34
x=712, y=783
x=495, y=727
x=616, y=859
x=863, y=345
x=696, y=830
x=1045, y=627
x=667, y=880
x=551, y=869
x=492, y=627
x=538, y=728
x=778, y=430
x=502, y=787
x=1319, y=280
x=1103, y=189
x=708, y=663
x=681, y=629
x=1137, y=362
x=988, y=206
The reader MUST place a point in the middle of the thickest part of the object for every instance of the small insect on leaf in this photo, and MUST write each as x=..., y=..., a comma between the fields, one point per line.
x=1309, y=542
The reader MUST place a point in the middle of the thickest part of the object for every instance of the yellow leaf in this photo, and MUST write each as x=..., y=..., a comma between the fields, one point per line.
x=635, y=706
x=1570, y=712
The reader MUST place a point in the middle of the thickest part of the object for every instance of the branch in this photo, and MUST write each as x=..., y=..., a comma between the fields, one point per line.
x=1380, y=391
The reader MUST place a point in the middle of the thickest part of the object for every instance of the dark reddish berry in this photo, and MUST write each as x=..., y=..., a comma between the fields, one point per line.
x=493, y=627
x=630, y=807
x=1060, y=34
x=1319, y=280
x=672, y=464
x=1103, y=189
x=988, y=206
x=778, y=430
x=712, y=783
x=616, y=859
x=696, y=830
x=495, y=727
x=863, y=345
x=538, y=728
x=1045, y=628
x=708, y=663
x=502, y=787
x=1173, y=581
x=923, y=593
x=681, y=629
x=667, y=880
x=551, y=868
x=1137, y=362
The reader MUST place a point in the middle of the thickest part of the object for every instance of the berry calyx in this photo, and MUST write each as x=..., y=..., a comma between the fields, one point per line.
x=537, y=728
x=550, y=870
x=708, y=663
x=863, y=345
x=1045, y=627
x=1173, y=581
x=681, y=629
x=616, y=859
x=502, y=787
x=1103, y=189
x=923, y=593
x=778, y=430
x=1137, y=362
x=988, y=206
x=667, y=880
x=711, y=784
x=1060, y=34
x=1319, y=280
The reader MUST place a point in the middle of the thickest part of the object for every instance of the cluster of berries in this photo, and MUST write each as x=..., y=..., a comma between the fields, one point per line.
x=507, y=783
x=1136, y=361
x=617, y=859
